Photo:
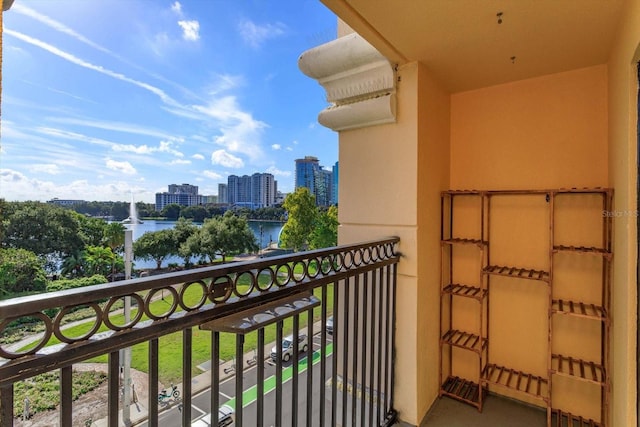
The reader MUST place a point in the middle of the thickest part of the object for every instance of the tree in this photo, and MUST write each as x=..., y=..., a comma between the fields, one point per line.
x=100, y=260
x=91, y=230
x=113, y=236
x=171, y=212
x=155, y=245
x=74, y=265
x=184, y=229
x=325, y=232
x=49, y=231
x=21, y=271
x=196, y=213
x=302, y=212
x=222, y=236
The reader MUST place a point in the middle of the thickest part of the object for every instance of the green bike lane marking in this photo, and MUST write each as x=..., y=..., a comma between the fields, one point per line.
x=250, y=395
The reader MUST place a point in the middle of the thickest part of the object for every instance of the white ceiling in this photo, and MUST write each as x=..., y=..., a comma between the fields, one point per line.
x=461, y=42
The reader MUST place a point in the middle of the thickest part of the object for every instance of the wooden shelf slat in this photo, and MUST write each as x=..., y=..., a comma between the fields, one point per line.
x=465, y=291
x=567, y=419
x=517, y=272
x=582, y=249
x=461, y=389
x=534, y=385
x=463, y=241
x=579, y=309
x=579, y=369
x=464, y=340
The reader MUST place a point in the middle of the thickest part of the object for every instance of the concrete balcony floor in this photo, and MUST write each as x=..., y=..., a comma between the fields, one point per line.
x=497, y=412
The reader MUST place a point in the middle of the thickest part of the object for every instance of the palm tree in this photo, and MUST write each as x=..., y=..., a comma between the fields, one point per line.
x=74, y=265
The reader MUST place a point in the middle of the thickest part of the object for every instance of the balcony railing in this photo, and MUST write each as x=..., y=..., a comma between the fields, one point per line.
x=345, y=376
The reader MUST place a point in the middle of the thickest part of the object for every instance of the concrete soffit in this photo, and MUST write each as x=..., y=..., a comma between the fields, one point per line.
x=360, y=83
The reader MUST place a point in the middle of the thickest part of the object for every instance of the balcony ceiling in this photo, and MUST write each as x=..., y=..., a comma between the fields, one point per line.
x=463, y=44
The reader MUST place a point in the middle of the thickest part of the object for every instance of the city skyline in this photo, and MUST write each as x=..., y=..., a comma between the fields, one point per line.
x=184, y=91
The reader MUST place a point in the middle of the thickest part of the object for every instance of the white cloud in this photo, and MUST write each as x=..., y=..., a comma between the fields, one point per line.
x=177, y=8
x=198, y=157
x=122, y=167
x=277, y=172
x=190, y=30
x=289, y=149
x=221, y=157
x=276, y=146
x=212, y=175
x=50, y=168
x=20, y=187
x=255, y=35
x=114, y=126
x=240, y=132
x=82, y=63
x=180, y=162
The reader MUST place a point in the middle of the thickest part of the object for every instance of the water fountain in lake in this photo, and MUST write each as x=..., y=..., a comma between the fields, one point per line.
x=133, y=214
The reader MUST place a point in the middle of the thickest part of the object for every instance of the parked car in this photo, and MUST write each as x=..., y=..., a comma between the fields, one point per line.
x=288, y=346
x=226, y=417
x=329, y=325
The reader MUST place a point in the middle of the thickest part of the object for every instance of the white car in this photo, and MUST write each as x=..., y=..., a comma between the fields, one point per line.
x=287, y=347
x=225, y=418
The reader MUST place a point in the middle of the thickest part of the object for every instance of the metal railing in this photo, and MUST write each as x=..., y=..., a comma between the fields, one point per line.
x=343, y=375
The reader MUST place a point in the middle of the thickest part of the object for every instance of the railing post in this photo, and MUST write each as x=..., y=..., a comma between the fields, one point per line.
x=6, y=405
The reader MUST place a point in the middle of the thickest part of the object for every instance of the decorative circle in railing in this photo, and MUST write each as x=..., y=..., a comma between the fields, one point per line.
x=204, y=291
x=313, y=268
x=366, y=255
x=326, y=264
x=108, y=312
x=375, y=256
x=338, y=262
x=348, y=260
x=167, y=302
x=389, y=250
x=267, y=271
x=40, y=341
x=283, y=274
x=220, y=289
x=299, y=271
x=358, y=257
x=87, y=330
x=244, y=284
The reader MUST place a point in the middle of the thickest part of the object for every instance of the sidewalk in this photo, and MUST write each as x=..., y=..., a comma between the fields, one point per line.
x=199, y=383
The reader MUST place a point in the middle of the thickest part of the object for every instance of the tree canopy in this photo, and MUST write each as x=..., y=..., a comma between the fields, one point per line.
x=155, y=246
x=301, y=218
x=222, y=236
x=325, y=232
x=48, y=231
x=21, y=271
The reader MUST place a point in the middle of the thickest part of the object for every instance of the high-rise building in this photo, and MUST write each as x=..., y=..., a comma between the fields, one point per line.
x=183, y=189
x=223, y=193
x=334, y=193
x=319, y=181
x=183, y=195
x=255, y=191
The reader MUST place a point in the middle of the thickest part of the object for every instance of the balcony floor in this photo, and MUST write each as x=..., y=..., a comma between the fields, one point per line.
x=497, y=412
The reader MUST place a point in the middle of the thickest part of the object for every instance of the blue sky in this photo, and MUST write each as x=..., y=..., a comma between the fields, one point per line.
x=103, y=99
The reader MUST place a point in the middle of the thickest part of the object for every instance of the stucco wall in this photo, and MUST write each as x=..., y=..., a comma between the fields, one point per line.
x=623, y=160
x=541, y=133
x=383, y=168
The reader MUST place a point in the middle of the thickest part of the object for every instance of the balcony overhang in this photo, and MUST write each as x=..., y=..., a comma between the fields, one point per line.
x=359, y=82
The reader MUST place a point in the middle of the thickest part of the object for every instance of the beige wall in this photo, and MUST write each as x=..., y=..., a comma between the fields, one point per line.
x=623, y=158
x=545, y=132
x=383, y=168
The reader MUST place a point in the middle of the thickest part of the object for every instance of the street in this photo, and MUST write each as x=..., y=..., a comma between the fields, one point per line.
x=201, y=402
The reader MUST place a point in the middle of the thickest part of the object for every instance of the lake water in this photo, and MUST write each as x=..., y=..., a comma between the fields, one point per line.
x=266, y=232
